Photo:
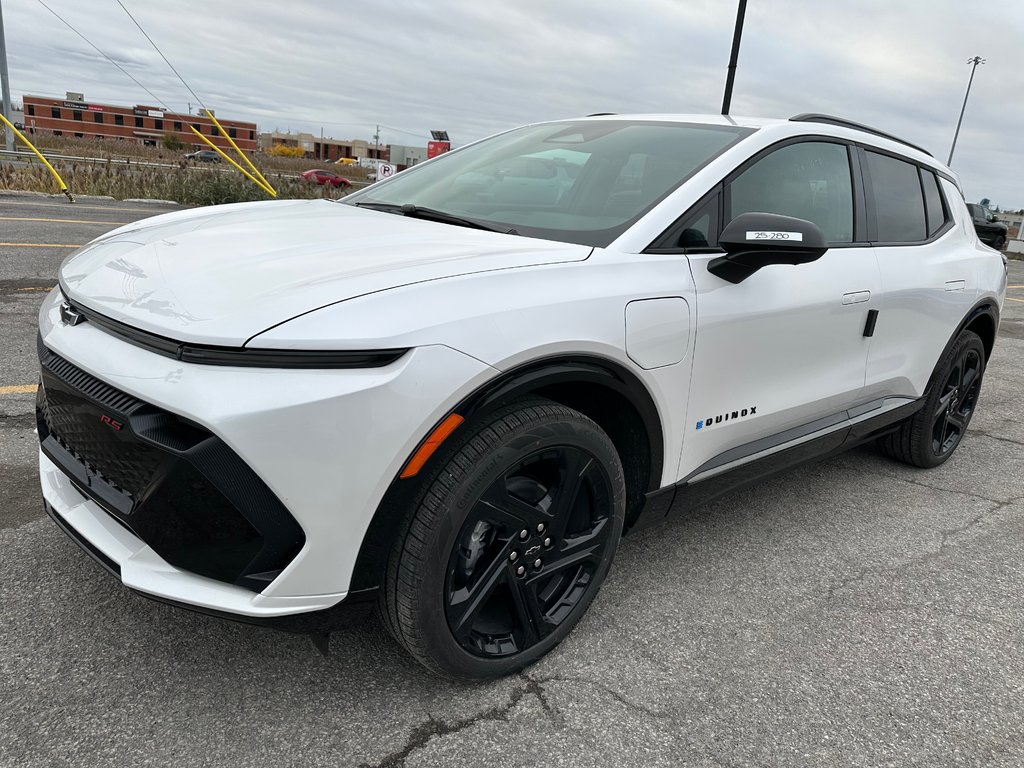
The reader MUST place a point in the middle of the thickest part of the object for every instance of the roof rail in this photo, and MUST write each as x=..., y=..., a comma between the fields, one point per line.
x=811, y=117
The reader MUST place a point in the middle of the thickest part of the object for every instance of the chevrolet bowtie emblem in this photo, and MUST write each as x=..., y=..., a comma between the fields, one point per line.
x=70, y=316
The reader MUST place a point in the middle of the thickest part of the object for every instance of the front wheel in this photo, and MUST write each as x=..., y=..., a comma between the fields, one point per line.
x=509, y=542
x=930, y=436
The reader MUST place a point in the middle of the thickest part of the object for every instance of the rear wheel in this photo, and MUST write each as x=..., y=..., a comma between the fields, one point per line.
x=508, y=544
x=930, y=436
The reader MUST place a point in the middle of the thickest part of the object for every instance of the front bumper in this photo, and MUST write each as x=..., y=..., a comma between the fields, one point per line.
x=326, y=444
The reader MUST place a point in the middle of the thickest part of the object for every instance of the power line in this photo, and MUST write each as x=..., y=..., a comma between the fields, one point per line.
x=67, y=24
x=157, y=49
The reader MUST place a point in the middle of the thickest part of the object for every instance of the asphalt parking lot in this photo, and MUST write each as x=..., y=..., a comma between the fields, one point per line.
x=854, y=612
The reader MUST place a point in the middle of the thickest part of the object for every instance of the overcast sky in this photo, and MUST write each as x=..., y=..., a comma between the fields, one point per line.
x=475, y=68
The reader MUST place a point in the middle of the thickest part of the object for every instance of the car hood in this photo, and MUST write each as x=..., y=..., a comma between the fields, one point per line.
x=222, y=275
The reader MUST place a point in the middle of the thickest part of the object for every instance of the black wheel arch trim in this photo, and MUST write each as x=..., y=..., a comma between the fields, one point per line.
x=985, y=307
x=511, y=384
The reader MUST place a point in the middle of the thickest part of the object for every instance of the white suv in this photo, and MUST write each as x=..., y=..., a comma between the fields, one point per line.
x=452, y=392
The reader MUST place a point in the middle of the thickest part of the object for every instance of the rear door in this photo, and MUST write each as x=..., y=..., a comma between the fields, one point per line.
x=928, y=262
x=782, y=353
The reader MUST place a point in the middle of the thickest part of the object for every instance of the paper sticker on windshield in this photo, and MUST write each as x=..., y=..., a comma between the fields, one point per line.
x=795, y=236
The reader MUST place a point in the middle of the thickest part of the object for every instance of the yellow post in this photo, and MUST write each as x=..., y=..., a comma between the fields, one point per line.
x=20, y=135
x=265, y=187
x=241, y=154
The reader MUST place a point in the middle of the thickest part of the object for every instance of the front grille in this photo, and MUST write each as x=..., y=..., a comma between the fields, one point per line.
x=175, y=485
x=76, y=421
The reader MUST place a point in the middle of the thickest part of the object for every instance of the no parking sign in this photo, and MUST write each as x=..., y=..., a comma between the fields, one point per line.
x=385, y=171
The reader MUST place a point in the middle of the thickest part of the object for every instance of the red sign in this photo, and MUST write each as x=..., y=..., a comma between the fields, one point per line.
x=435, y=148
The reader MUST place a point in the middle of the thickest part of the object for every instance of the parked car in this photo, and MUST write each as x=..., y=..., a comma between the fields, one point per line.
x=990, y=230
x=453, y=402
x=203, y=156
x=326, y=177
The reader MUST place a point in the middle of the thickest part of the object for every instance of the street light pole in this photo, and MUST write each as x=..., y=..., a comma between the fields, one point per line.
x=734, y=57
x=5, y=86
x=974, y=61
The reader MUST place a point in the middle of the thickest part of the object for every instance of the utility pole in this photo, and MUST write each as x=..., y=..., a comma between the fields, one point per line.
x=376, y=143
x=730, y=78
x=5, y=86
x=322, y=155
x=974, y=61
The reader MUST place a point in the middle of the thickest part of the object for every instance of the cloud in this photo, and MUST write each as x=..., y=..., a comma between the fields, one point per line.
x=477, y=68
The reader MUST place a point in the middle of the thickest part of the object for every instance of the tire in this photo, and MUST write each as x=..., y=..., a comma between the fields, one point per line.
x=1000, y=243
x=929, y=437
x=507, y=543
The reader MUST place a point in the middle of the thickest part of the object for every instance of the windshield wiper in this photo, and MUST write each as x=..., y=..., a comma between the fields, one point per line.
x=432, y=214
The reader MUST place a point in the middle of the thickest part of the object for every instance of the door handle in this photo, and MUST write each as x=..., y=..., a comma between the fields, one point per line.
x=857, y=297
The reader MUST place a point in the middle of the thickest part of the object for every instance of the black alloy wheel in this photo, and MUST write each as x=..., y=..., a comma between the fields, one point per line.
x=529, y=551
x=957, y=401
x=512, y=532
x=930, y=436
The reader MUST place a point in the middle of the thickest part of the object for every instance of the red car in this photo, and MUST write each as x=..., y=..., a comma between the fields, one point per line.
x=327, y=177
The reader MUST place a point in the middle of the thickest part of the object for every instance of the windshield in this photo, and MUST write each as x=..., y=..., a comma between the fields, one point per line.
x=579, y=182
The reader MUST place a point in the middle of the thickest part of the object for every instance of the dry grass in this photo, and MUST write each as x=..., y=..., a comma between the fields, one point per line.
x=189, y=186
x=184, y=182
x=116, y=149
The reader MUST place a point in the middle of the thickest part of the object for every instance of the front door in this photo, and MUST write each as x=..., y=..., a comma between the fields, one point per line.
x=782, y=353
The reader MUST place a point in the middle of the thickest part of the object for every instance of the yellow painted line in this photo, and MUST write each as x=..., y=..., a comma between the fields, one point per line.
x=38, y=245
x=1010, y=298
x=1015, y=286
x=18, y=389
x=19, y=290
x=63, y=221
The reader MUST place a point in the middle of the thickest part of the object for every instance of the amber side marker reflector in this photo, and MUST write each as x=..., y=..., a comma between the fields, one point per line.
x=431, y=444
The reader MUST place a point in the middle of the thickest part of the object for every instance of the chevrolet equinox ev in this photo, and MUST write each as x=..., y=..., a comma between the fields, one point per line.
x=452, y=392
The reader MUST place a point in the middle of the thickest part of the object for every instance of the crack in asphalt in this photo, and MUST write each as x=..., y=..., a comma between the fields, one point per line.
x=18, y=421
x=918, y=483
x=613, y=693
x=990, y=436
x=26, y=285
x=433, y=728
x=422, y=734
x=944, y=544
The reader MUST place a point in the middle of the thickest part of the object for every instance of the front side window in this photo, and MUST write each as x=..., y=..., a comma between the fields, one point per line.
x=899, y=202
x=583, y=181
x=810, y=180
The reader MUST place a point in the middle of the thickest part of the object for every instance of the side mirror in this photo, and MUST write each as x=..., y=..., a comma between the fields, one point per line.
x=755, y=240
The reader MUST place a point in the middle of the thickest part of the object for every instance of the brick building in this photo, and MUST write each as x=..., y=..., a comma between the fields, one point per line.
x=147, y=125
x=325, y=149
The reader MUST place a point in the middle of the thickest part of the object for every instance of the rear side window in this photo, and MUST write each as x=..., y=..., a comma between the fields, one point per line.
x=810, y=180
x=899, y=202
x=934, y=209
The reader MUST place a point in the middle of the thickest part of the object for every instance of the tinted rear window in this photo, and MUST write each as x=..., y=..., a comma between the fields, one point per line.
x=933, y=202
x=899, y=204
